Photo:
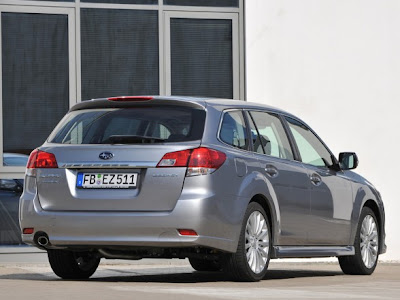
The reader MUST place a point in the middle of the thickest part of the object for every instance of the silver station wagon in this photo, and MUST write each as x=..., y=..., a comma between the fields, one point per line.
x=227, y=184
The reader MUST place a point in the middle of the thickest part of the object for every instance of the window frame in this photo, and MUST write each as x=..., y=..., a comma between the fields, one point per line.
x=236, y=63
x=19, y=172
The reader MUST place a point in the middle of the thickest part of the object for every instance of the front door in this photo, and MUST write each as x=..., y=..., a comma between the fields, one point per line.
x=331, y=193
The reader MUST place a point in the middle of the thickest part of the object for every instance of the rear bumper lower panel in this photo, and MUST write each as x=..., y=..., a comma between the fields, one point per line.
x=151, y=229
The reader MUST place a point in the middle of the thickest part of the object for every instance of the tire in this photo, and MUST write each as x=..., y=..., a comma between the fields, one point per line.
x=255, y=243
x=359, y=264
x=204, y=265
x=73, y=265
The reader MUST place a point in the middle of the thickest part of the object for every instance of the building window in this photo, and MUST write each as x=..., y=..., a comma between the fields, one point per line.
x=201, y=57
x=119, y=52
x=35, y=78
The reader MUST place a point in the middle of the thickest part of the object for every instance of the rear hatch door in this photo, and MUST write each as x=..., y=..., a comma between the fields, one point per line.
x=107, y=159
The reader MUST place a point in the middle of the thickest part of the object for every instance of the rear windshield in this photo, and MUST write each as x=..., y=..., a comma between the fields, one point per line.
x=130, y=126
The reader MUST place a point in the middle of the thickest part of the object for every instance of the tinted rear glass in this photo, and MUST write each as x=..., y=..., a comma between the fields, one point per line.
x=130, y=126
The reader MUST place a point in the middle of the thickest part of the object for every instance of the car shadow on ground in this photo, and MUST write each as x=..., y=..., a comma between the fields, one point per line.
x=181, y=277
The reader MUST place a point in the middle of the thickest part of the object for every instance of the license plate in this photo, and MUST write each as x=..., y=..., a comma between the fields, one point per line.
x=106, y=180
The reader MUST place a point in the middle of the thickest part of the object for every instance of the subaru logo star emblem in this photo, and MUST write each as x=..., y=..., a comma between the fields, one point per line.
x=106, y=155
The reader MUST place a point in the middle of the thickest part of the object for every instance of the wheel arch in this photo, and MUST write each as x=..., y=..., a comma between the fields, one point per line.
x=271, y=212
x=379, y=218
x=376, y=207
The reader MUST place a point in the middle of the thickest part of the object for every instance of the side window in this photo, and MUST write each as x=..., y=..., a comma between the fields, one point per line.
x=233, y=129
x=272, y=135
x=255, y=137
x=312, y=151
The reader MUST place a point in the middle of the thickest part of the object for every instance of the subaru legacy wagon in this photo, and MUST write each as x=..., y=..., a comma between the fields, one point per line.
x=227, y=184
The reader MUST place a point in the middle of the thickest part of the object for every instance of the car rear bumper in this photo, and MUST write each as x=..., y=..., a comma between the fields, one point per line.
x=214, y=226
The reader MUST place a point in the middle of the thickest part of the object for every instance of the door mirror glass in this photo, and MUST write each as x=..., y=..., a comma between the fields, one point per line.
x=348, y=160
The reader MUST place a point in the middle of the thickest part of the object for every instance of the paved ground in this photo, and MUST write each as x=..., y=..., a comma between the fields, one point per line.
x=27, y=276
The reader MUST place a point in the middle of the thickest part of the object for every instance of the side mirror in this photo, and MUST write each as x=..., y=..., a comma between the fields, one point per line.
x=348, y=160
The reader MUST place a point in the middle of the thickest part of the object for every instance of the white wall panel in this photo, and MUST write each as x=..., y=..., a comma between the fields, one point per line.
x=335, y=64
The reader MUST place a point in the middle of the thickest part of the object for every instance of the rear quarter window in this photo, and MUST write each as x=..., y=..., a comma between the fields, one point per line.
x=233, y=129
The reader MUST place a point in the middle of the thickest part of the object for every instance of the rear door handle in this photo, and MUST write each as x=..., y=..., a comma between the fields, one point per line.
x=315, y=179
x=271, y=171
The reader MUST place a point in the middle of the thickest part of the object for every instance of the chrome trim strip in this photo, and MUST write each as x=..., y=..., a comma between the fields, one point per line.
x=120, y=165
x=311, y=251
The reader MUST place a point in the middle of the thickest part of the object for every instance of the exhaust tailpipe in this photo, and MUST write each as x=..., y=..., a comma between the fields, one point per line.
x=43, y=241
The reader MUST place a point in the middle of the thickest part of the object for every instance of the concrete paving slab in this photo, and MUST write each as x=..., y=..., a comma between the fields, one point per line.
x=175, y=279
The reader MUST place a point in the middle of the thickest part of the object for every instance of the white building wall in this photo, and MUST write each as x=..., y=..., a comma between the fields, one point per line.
x=336, y=65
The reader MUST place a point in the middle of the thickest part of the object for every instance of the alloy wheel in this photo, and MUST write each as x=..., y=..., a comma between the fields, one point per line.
x=369, y=241
x=257, y=242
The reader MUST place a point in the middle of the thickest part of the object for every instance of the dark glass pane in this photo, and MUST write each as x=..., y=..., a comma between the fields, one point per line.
x=201, y=57
x=220, y=3
x=35, y=79
x=119, y=52
x=233, y=130
x=10, y=191
x=153, y=124
x=123, y=1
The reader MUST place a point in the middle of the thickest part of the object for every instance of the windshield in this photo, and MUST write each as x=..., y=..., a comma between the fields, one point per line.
x=130, y=126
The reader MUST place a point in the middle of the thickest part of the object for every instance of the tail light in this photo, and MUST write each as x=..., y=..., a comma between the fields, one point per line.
x=175, y=159
x=199, y=161
x=41, y=159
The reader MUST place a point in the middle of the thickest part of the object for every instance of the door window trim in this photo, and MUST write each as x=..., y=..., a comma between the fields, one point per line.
x=250, y=120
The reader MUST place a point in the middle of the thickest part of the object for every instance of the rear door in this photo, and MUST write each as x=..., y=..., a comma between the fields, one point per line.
x=107, y=159
x=289, y=180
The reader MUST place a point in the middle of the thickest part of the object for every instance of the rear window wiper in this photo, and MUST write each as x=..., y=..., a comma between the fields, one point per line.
x=132, y=139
